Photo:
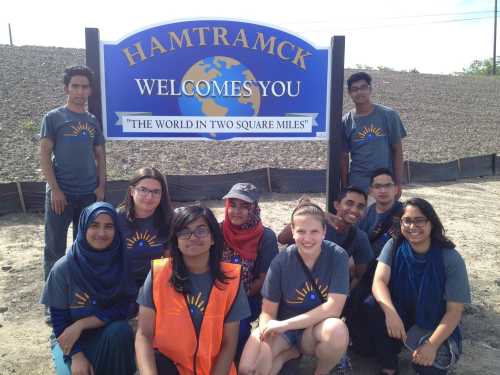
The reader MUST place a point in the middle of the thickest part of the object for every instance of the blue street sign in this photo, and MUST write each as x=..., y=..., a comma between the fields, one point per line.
x=214, y=79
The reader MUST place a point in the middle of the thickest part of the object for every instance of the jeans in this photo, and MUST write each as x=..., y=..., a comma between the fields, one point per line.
x=56, y=227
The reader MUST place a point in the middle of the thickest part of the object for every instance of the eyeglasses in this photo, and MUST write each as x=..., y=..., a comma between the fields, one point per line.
x=144, y=192
x=199, y=232
x=419, y=222
x=383, y=186
x=359, y=88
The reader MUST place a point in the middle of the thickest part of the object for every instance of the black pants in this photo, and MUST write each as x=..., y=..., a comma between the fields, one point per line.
x=369, y=334
x=165, y=365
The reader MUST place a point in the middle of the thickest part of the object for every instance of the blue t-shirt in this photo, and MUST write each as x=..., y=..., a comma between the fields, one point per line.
x=287, y=284
x=456, y=287
x=197, y=300
x=369, y=140
x=61, y=292
x=74, y=136
x=142, y=242
x=360, y=249
x=372, y=219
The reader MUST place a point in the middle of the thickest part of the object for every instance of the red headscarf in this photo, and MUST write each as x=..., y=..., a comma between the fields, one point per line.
x=244, y=239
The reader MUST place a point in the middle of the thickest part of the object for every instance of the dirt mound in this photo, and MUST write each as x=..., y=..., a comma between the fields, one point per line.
x=447, y=117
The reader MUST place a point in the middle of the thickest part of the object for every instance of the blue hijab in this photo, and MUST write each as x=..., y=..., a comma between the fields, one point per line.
x=103, y=274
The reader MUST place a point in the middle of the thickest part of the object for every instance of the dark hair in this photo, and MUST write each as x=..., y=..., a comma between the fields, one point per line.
x=309, y=209
x=359, y=76
x=77, y=70
x=183, y=216
x=351, y=189
x=379, y=172
x=163, y=213
x=438, y=237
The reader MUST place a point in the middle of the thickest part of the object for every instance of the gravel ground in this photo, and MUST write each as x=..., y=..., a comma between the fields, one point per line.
x=470, y=222
x=447, y=117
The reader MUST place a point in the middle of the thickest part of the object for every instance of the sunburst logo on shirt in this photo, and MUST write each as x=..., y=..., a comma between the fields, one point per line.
x=142, y=240
x=309, y=294
x=370, y=132
x=82, y=300
x=195, y=303
x=81, y=130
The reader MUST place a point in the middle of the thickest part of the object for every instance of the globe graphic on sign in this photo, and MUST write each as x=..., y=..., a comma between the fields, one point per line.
x=216, y=77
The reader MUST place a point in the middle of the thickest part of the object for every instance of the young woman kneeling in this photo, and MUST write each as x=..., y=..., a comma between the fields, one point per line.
x=192, y=303
x=421, y=286
x=90, y=296
x=304, y=293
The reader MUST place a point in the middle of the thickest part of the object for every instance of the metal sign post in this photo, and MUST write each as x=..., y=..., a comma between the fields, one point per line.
x=335, y=127
x=93, y=62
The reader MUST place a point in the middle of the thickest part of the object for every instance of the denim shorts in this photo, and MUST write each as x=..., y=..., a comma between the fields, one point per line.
x=293, y=337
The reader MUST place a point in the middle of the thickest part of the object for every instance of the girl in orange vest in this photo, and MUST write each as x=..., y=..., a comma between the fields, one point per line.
x=303, y=296
x=192, y=303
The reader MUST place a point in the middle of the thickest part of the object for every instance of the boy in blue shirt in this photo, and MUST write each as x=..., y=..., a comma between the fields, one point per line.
x=372, y=136
x=72, y=159
x=381, y=216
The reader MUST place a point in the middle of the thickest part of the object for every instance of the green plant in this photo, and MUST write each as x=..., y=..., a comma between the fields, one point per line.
x=482, y=67
x=29, y=125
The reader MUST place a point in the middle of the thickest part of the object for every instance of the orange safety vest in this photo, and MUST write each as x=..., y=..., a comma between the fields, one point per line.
x=175, y=334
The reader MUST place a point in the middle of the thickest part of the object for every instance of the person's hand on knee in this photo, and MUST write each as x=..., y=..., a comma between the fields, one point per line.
x=425, y=354
x=272, y=328
x=80, y=365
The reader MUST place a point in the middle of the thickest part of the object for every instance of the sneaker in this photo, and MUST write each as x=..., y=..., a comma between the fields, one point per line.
x=344, y=367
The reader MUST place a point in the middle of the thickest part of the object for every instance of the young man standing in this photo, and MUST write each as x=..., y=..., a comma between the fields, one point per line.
x=372, y=136
x=381, y=216
x=72, y=159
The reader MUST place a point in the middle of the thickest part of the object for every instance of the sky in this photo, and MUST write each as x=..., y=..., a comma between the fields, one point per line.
x=432, y=36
